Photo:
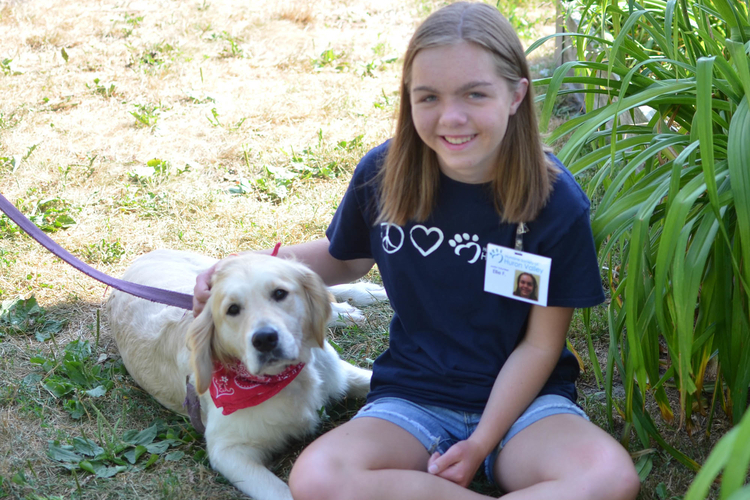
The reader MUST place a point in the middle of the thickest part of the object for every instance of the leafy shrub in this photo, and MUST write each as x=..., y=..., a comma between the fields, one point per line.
x=664, y=149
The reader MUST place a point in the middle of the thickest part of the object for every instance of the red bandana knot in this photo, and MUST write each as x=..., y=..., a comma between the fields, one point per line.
x=234, y=388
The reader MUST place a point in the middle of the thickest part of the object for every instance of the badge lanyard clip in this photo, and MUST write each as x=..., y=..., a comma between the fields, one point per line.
x=522, y=228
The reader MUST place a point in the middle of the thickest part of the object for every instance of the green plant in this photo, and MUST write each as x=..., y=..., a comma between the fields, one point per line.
x=102, y=89
x=154, y=169
x=104, y=252
x=25, y=316
x=214, y=120
x=665, y=150
x=50, y=215
x=147, y=115
x=10, y=120
x=322, y=161
x=518, y=13
x=6, y=66
x=112, y=454
x=234, y=49
x=380, y=61
x=76, y=373
x=729, y=459
x=329, y=58
x=145, y=202
x=132, y=23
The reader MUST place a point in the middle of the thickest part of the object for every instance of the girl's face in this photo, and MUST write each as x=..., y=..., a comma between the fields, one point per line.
x=460, y=108
x=525, y=285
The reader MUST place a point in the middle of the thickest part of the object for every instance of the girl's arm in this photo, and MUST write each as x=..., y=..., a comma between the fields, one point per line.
x=521, y=378
x=312, y=253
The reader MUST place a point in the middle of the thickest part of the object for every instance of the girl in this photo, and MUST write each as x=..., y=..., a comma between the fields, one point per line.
x=471, y=378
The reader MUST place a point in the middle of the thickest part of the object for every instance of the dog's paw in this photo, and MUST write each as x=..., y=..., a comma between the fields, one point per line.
x=343, y=314
x=359, y=294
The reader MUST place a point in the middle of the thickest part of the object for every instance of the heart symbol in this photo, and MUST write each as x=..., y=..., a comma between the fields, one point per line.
x=427, y=232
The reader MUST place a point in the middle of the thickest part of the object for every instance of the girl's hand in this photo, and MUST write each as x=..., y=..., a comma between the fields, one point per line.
x=202, y=290
x=459, y=464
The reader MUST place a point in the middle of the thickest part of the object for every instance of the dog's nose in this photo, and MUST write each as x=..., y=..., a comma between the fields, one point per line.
x=265, y=339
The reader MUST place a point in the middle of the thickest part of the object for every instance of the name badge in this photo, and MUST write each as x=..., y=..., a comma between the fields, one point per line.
x=517, y=275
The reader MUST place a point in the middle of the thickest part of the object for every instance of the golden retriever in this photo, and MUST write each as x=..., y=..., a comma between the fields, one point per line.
x=267, y=314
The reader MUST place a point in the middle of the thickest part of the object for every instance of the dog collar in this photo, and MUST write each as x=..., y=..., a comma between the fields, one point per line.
x=234, y=388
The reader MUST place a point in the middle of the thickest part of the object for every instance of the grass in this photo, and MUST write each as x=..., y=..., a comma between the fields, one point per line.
x=209, y=126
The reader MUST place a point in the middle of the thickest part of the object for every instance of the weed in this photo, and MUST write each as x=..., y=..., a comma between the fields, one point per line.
x=379, y=63
x=329, y=58
x=25, y=316
x=233, y=50
x=104, y=252
x=77, y=373
x=8, y=229
x=10, y=162
x=386, y=103
x=147, y=115
x=199, y=97
x=155, y=170
x=49, y=215
x=147, y=203
x=275, y=182
x=113, y=454
x=133, y=22
x=52, y=214
x=156, y=57
x=13, y=162
x=214, y=120
x=5, y=256
x=102, y=89
x=6, y=66
x=8, y=121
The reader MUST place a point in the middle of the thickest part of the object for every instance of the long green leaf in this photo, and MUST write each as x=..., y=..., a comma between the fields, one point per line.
x=712, y=467
x=704, y=72
x=607, y=113
x=738, y=163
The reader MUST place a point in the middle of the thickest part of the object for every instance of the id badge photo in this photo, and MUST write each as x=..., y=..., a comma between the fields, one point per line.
x=517, y=275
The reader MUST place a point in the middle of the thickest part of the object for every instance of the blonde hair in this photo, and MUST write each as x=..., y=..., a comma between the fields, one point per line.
x=523, y=178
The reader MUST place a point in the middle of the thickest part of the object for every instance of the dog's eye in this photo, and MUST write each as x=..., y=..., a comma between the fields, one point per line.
x=279, y=294
x=233, y=310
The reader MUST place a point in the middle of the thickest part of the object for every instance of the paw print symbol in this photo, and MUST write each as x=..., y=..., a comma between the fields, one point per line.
x=463, y=241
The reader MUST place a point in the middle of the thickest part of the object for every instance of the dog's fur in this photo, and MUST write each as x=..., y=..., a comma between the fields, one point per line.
x=161, y=346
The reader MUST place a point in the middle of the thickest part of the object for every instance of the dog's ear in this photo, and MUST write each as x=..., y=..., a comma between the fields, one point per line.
x=318, y=306
x=200, y=340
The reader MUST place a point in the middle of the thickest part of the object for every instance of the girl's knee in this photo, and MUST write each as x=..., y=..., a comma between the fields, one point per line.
x=314, y=476
x=613, y=473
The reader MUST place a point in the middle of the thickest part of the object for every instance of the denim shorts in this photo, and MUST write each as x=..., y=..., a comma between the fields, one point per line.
x=440, y=428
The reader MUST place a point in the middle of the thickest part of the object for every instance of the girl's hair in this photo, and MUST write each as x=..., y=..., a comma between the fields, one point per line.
x=523, y=178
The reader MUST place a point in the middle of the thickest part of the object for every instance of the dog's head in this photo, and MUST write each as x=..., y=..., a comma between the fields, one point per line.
x=265, y=311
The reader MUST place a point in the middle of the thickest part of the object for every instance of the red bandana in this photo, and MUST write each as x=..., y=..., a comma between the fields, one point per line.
x=234, y=388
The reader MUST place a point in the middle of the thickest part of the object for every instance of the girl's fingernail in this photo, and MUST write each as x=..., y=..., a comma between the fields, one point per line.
x=433, y=469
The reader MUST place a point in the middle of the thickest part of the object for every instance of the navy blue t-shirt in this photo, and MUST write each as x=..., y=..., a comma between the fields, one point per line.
x=448, y=337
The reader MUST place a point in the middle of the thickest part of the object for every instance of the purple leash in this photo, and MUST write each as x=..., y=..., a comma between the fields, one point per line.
x=168, y=297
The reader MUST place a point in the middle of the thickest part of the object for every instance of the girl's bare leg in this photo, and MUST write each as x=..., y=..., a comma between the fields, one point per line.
x=369, y=458
x=566, y=457
x=561, y=457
